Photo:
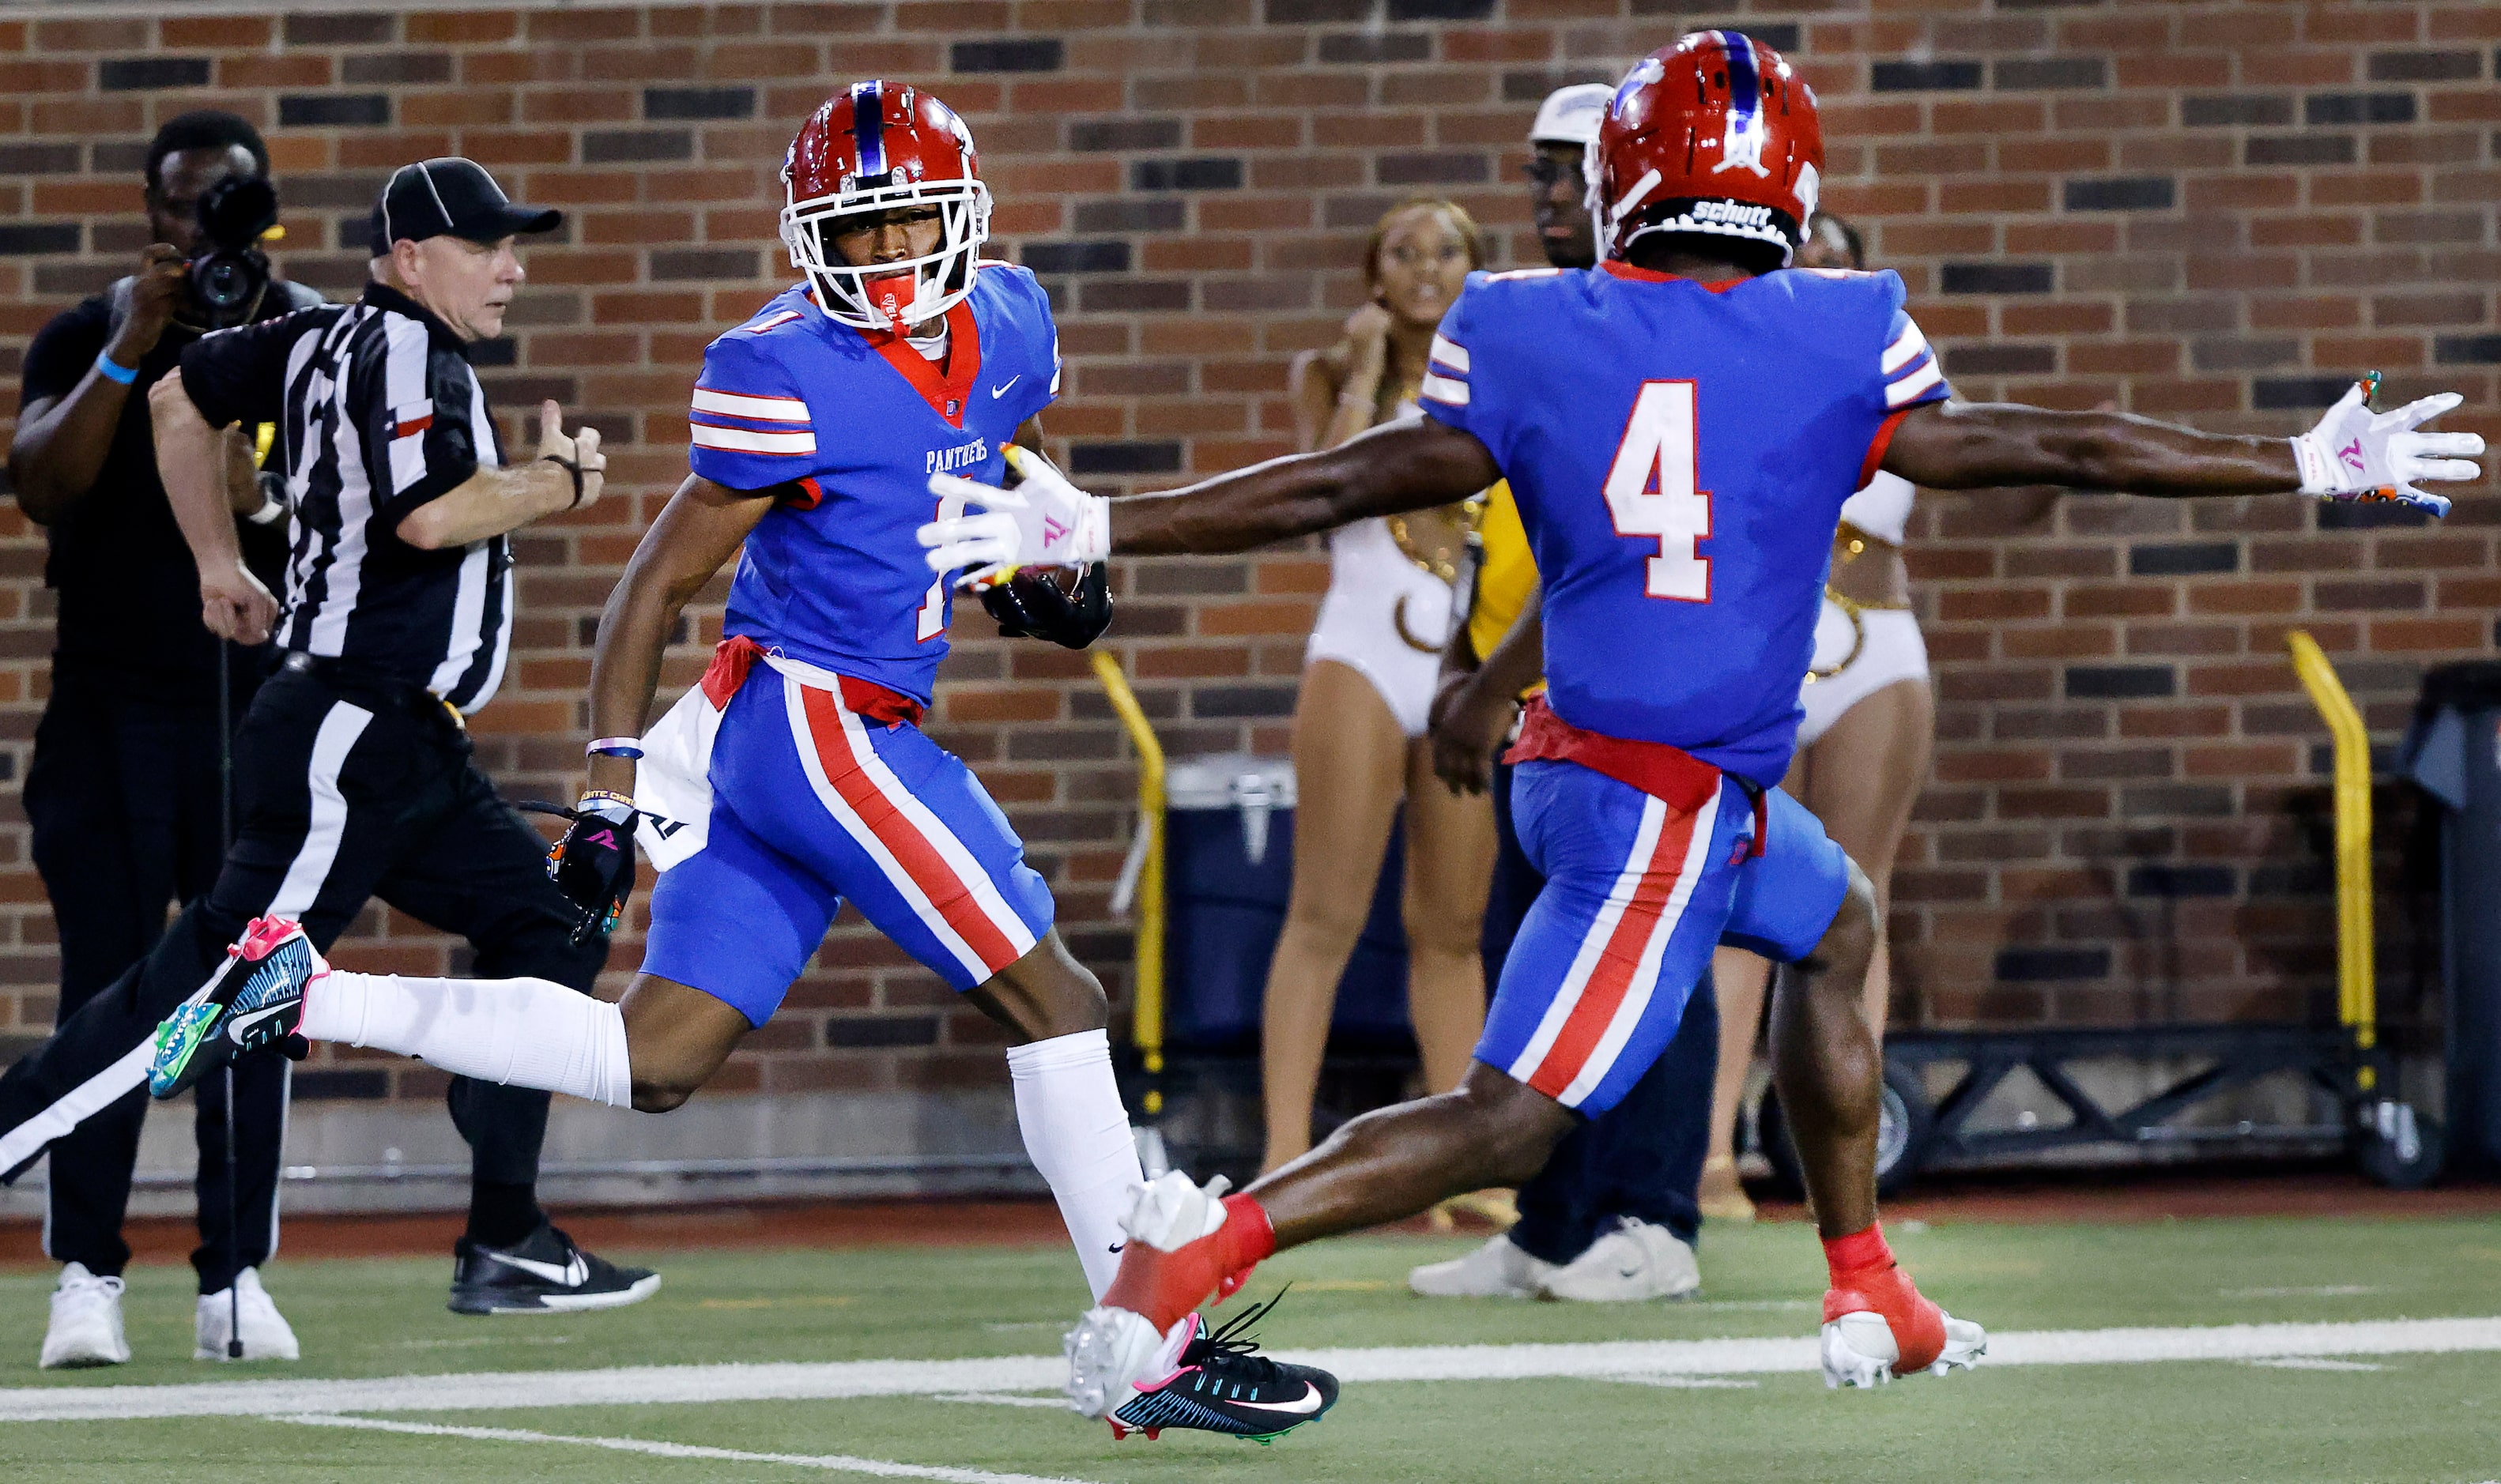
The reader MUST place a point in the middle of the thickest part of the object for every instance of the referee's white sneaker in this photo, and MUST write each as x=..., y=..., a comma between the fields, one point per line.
x=1498, y=1269
x=1636, y=1262
x=86, y=1322
x=266, y=1335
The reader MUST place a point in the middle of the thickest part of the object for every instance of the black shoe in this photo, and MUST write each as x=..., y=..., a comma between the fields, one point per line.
x=1223, y=1384
x=545, y=1274
x=255, y=999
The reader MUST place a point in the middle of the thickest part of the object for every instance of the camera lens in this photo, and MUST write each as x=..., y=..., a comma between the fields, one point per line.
x=223, y=282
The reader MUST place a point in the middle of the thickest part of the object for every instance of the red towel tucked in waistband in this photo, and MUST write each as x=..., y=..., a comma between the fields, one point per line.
x=734, y=657
x=1671, y=775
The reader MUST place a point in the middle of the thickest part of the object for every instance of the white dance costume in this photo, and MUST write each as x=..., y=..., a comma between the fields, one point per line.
x=1383, y=617
x=1374, y=590
x=1860, y=649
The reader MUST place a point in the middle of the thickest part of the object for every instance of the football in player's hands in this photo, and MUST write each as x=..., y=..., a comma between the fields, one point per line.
x=1043, y=522
x=1069, y=606
x=2355, y=453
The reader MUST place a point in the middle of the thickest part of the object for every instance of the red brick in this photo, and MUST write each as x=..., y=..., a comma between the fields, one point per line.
x=98, y=35
x=2274, y=252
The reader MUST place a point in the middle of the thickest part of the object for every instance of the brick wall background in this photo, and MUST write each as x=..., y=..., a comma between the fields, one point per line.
x=2210, y=212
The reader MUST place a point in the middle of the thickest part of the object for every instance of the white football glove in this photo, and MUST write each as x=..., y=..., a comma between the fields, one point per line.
x=2357, y=455
x=1044, y=521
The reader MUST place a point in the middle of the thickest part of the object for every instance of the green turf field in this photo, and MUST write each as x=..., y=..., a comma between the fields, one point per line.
x=2404, y=1413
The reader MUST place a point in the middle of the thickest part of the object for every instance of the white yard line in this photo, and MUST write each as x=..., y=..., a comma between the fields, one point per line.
x=2328, y=1291
x=1055, y=1402
x=526, y=1390
x=829, y=1463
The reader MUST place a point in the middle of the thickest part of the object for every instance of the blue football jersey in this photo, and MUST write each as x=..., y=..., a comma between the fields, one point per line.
x=1679, y=454
x=835, y=575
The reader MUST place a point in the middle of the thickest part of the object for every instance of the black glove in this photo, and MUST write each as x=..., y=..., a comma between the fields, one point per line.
x=1031, y=603
x=594, y=863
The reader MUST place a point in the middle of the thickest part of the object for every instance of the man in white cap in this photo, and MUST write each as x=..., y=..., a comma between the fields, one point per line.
x=1613, y=1217
x=1566, y=122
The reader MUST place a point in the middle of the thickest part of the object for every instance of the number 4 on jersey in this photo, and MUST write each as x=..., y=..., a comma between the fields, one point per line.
x=1650, y=493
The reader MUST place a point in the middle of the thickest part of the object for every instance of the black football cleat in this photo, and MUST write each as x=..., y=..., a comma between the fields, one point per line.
x=1219, y=1383
x=545, y=1274
x=255, y=999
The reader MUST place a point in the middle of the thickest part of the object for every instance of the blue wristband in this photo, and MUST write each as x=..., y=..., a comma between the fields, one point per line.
x=111, y=371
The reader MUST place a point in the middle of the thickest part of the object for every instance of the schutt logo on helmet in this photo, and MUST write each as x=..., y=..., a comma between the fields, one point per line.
x=1716, y=135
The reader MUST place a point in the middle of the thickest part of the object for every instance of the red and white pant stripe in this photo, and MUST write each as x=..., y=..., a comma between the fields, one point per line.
x=920, y=856
x=1616, y=972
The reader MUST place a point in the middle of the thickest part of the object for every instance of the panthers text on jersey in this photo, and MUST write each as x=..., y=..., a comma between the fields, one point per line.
x=1680, y=452
x=858, y=423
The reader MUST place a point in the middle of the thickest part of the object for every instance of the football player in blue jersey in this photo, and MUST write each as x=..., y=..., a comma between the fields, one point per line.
x=796, y=777
x=1680, y=425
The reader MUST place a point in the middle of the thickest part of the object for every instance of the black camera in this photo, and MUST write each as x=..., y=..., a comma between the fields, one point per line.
x=229, y=278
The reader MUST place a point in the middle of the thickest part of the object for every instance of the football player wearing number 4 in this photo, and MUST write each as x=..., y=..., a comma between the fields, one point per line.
x=796, y=776
x=1681, y=426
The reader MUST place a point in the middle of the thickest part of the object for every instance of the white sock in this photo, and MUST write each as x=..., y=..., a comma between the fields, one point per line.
x=1077, y=1133
x=532, y=1032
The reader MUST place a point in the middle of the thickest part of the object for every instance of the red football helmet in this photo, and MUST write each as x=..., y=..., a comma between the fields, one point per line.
x=873, y=148
x=1714, y=135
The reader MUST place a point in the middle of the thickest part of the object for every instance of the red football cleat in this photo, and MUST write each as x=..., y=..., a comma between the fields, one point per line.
x=1184, y=1244
x=1877, y=1325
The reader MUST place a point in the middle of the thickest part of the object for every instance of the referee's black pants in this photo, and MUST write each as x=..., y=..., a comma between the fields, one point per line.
x=1642, y=1158
x=345, y=791
x=122, y=800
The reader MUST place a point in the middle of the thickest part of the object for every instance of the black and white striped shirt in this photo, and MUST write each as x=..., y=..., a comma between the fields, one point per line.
x=378, y=412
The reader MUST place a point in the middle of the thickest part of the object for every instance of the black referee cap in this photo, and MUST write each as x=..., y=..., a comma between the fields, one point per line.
x=452, y=197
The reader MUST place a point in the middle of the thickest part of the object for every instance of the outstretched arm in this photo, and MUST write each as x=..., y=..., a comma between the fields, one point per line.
x=1393, y=468
x=2353, y=453
x=1976, y=444
x=1044, y=520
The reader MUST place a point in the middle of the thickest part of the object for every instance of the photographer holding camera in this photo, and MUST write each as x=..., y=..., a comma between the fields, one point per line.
x=354, y=774
x=124, y=792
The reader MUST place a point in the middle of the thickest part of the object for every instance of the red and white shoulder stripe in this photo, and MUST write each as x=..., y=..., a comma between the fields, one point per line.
x=1909, y=365
x=1445, y=377
x=743, y=422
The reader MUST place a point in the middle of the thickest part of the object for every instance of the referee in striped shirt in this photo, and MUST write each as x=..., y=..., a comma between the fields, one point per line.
x=354, y=778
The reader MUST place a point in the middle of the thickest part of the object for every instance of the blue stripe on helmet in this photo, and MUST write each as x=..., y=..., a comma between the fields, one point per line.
x=1745, y=80
x=868, y=127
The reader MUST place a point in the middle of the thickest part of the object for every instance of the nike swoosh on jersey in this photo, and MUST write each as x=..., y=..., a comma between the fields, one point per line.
x=1302, y=1406
x=1001, y=390
x=573, y=1274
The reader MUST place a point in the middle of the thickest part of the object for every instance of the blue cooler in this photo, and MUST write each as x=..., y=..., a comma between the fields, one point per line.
x=1228, y=868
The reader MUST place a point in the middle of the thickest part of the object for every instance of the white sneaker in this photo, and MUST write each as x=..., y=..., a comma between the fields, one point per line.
x=86, y=1322
x=266, y=1335
x=1637, y=1261
x=1498, y=1269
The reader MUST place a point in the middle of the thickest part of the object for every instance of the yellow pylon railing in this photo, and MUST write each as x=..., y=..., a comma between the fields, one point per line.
x=2357, y=995
x=1147, y=1024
